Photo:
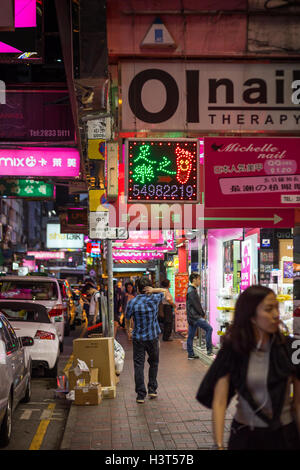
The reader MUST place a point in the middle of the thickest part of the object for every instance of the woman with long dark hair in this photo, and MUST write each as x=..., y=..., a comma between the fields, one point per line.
x=259, y=364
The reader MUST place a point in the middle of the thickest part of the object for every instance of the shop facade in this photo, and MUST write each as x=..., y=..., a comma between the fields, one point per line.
x=223, y=225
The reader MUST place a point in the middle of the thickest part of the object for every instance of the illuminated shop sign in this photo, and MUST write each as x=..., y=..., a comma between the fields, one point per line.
x=198, y=96
x=56, y=239
x=47, y=254
x=137, y=255
x=162, y=170
x=26, y=189
x=93, y=248
x=40, y=161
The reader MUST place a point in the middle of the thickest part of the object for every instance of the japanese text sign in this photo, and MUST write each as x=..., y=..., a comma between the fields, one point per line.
x=252, y=172
x=162, y=170
x=40, y=161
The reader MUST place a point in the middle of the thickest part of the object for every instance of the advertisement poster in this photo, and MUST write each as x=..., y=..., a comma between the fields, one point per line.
x=252, y=172
x=181, y=287
x=246, y=272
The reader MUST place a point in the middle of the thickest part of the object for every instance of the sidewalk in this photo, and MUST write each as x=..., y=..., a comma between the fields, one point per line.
x=175, y=420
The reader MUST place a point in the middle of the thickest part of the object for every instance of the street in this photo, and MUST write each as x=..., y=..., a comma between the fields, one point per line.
x=40, y=424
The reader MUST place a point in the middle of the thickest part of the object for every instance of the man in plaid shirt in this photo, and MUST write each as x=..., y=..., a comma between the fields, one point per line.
x=144, y=310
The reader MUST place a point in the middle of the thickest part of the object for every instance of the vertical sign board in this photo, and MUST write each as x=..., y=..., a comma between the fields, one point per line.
x=181, y=287
x=162, y=170
x=252, y=172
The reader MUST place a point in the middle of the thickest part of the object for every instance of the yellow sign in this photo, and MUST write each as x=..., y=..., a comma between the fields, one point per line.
x=96, y=200
x=96, y=149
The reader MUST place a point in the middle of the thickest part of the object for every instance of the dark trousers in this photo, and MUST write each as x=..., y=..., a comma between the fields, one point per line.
x=243, y=438
x=140, y=348
x=168, y=322
x=201, y=323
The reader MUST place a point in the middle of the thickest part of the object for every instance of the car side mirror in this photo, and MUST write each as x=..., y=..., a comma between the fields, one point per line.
x=27, y=341
x=2, y=352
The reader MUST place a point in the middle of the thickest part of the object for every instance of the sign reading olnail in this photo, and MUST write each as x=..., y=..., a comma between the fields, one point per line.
x=204, y=96
x=40, y=161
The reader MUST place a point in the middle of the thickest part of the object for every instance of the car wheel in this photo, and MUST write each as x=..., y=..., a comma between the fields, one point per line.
x=61, y=347
x=27, y=395
x=53, y=372
x=5, y=430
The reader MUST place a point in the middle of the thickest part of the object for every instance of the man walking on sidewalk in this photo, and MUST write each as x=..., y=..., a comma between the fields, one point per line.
x=196, y=317
x=144, y=310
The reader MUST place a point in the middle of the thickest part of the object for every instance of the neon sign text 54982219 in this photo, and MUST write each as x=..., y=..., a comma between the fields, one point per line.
x=162, y=170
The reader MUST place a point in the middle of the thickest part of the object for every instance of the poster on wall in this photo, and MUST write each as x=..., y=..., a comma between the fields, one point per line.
x=246, y=272
x=249, y=271
x=181, y=287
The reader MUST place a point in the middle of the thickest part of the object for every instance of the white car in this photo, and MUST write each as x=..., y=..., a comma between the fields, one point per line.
x=31, y=319
x=42, y=290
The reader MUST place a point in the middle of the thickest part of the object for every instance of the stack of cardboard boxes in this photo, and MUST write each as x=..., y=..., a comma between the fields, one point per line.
x=99, y=381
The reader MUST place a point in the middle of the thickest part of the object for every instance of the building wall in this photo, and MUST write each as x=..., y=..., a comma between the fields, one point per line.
x=203, y=28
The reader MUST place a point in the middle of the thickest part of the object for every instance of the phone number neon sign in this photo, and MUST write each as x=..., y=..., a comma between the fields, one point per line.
x=162, y=170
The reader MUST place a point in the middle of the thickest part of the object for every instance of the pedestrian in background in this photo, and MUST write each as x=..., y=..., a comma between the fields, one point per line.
x=196, y=317
x=256, y=362
x=130, y=293
x=119, y=299
x=168, y=307
x=92, y=296
x=144, y=308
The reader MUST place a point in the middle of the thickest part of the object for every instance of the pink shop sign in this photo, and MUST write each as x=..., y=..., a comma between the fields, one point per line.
x=252, y=172
x=40, y=161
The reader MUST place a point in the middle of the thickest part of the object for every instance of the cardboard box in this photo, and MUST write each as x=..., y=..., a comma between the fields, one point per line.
x=101, y=352
x=90, y=395
x=89, y=377
x=109, y=392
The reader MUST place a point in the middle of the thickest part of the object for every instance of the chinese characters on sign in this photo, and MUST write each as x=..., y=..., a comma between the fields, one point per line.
x=258, y=172
x=26, y=189
x=162, y=170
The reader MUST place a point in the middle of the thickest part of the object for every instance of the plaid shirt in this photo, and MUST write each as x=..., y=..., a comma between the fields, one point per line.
x=144, y=309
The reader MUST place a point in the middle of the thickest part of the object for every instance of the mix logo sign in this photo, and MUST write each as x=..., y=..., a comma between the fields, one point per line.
x=187, y=96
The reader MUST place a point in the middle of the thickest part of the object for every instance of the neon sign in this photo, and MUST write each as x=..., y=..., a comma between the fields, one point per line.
x=162, y=170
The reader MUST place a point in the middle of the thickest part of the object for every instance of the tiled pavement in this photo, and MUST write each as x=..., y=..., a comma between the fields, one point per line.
x=175, y=420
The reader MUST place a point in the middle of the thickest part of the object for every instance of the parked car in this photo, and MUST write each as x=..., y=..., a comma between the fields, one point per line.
x=31, y=319
x=15, y=375
x=68, y=304
x=42, y=290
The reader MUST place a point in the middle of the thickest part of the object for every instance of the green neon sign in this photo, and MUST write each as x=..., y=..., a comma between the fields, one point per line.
x=26, y=189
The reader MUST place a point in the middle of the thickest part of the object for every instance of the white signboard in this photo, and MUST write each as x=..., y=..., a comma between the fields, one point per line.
x=55, y=239
x=97, y=129
x=189, y=96
x=99, y=228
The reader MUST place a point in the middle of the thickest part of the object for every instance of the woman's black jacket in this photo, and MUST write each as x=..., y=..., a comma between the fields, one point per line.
x=282, y=356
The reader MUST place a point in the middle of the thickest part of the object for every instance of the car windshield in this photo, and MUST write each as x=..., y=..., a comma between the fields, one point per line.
x=28, y=290
x=24, y=314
